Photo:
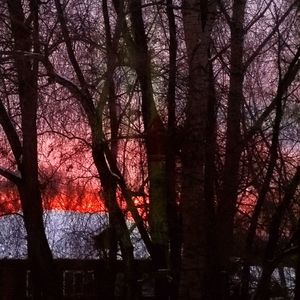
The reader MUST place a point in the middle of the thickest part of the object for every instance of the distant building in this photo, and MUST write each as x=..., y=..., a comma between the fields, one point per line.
x=79, y=279
x=71, y=236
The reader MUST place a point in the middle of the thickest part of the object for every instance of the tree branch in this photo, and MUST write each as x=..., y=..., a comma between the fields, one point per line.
x=13, y=177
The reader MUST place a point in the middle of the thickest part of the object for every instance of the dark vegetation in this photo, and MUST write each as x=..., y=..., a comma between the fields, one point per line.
x=184, y=115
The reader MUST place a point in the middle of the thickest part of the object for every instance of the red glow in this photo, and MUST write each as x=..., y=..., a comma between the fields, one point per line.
x=9, y=200
x=80, y=199
x=89, y=202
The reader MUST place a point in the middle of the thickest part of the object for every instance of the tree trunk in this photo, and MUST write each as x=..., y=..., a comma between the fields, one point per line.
x=227, y=204
x=118, y=222
x=100, y=151
x=45, y=285
x=198, y=22
x=283, y=86
x=211, y=285
x=155, y=140
x=155, y=136
x=274, y=237
x=111, y=52
x=173, y=209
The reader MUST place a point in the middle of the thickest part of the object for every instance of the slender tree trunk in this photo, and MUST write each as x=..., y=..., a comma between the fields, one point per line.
x=261, y=200
x=111, y=52
x=198, y=22
x=118, y=222
x=227, y=204
x=155, y=137
x=100, y=151
x=274, y=236
x=173, y=209
x=45, y=285
x=283, y=86
x=211, y=284
x=155, y=140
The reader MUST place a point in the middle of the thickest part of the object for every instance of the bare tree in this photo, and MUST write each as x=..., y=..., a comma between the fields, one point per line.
x=24, y=147
x=198, y=21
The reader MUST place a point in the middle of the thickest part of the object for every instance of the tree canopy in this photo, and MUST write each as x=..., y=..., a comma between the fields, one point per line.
x=180, y=116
